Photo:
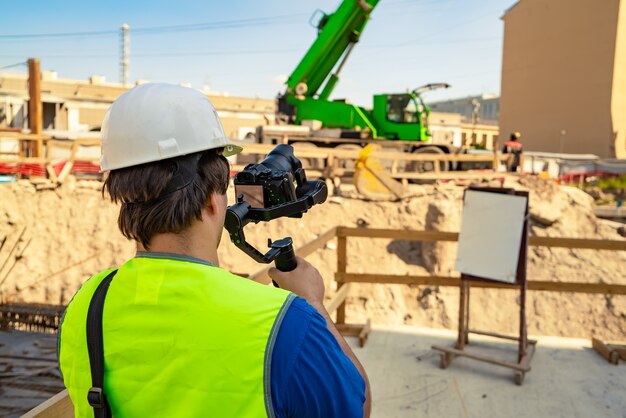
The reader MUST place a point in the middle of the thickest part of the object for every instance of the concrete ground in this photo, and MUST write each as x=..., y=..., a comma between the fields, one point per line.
x=568, y=378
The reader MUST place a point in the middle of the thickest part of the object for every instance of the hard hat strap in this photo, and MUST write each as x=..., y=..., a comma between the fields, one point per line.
x=185, y=172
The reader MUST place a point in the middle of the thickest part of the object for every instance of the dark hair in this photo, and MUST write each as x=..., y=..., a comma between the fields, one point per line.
x=147, y=211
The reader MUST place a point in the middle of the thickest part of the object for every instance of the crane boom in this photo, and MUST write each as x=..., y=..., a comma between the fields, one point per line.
x=337, y=33
x=306, y=100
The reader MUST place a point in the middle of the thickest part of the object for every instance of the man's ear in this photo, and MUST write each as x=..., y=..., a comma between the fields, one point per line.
x=211, y=204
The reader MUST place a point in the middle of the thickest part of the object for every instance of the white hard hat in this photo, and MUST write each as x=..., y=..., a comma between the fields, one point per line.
x=153, y=122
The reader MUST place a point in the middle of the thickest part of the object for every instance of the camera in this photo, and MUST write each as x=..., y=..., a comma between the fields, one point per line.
x=273, y=188
x=277, y=180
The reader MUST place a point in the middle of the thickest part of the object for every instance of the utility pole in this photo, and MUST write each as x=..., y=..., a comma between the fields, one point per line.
x=124, y=54
x=475, y=118
x=35, y=108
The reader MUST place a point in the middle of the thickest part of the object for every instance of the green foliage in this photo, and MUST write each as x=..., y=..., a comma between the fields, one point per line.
x=615, y=183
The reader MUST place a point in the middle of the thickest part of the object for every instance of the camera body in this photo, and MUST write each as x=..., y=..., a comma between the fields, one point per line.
x=272, y=182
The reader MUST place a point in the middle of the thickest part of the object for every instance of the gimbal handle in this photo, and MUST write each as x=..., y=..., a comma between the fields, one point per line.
x=286, y=258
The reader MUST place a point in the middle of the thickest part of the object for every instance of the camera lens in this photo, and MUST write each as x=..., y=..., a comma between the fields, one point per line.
x=282, y=158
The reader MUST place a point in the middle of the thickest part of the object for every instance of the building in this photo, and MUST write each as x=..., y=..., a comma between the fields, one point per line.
x=453, y=129
x=564, y=76
x=488, y=106
x=80, y=105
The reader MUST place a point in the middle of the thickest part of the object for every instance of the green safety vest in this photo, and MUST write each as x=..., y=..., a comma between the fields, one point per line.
x=182, y=338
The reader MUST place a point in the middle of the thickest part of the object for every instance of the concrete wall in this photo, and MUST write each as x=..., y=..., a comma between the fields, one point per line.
x=558, y=69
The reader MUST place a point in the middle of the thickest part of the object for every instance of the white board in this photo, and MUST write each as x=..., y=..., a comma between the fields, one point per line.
x=491, y=235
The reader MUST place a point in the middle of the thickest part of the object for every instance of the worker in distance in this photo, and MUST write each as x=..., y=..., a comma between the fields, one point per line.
x=171, y=334
x=515, y=148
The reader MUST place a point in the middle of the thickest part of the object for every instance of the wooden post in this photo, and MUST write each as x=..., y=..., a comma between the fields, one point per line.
x=463, y=299
x=467, y=311
x=342, y=264
x=35, y=108
x=436, y=166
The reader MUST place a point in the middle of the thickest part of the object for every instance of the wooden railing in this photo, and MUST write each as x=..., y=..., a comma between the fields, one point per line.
x=30, y=147
x=60, y=405
x=344, y=278
x=330, y=162
x=334, y=162
x=45, y=150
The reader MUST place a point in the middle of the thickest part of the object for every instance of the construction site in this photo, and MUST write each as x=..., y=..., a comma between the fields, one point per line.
x=429, y=207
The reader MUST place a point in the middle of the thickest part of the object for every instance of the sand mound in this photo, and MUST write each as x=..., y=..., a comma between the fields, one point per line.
x=67, y=234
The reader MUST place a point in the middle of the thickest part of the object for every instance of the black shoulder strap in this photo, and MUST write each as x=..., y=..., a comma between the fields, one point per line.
x=96, y=397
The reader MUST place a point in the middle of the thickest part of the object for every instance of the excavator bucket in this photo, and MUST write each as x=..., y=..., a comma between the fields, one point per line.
x=372, y=180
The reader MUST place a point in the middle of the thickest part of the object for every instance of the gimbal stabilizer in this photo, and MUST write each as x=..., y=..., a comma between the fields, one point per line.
x=270, y=184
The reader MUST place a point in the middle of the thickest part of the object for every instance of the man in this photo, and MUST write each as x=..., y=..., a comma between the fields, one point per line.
x=182, y=337
x=513, y=147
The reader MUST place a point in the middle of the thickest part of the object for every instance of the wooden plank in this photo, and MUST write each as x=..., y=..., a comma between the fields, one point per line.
x=397, y=279
x=317, y=243
x=536, y=285
x=338, y=299
x=486, y=359
x=343, y=231
x=602, y=349
x=51, y=173
x=23, y=160
x=67, y=168
x=496, y=335
x=59, y=406
x=571, y=287
x=452, y=175
x=401, y=156
x=310, y=247
x=87, y=142
x=20, y=136
x=572, y=243
x=578, y=243
x=321, y=152
x=350, y=330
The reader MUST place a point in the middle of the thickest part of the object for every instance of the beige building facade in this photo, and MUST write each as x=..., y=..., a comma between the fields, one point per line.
x=564, y=76
x=80, y=105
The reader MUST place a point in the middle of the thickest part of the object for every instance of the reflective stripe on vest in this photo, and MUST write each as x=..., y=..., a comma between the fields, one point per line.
x=181, y=339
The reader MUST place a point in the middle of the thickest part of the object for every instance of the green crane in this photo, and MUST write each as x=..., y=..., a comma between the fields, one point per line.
x=401, y=116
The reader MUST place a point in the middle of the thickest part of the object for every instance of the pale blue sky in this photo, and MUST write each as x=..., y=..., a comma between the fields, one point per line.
x=407, y=43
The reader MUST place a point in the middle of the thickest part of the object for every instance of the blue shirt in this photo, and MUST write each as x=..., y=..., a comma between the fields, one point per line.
x=310, y=374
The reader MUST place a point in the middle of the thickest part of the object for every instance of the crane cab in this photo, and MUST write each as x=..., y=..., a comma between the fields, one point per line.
x=401, y=116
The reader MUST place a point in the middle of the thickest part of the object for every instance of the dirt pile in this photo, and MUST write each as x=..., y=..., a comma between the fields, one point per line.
x=71, y=233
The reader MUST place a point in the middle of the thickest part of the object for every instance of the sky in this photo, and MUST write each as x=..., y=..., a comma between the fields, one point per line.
x=248, y=48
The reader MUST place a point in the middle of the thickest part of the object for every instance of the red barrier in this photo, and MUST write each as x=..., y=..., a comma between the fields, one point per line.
x=6, y=168
x=85, y=167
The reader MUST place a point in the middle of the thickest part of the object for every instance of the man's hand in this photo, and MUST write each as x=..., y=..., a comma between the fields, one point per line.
x=305, y=281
